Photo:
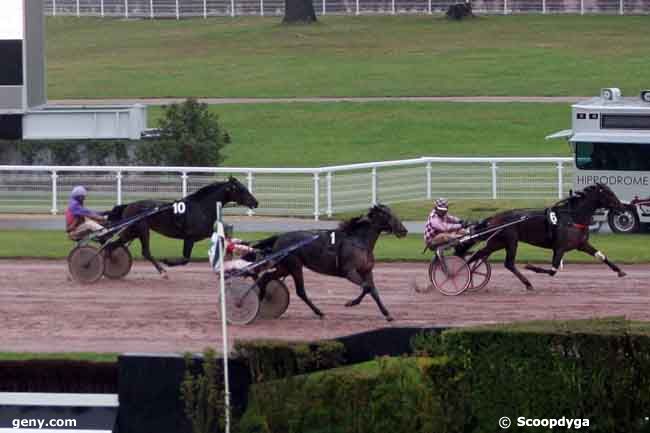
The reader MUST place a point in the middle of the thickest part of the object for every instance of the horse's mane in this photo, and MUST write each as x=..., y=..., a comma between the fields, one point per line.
x=351, y=224
x=208, y=189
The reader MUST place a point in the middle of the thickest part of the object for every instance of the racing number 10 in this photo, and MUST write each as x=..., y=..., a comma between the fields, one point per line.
x=179, y=208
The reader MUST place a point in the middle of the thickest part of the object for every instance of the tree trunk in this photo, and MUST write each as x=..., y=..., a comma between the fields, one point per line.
x=299, y=11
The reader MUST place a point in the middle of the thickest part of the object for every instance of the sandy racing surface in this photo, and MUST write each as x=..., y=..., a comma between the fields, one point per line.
x=42, y=310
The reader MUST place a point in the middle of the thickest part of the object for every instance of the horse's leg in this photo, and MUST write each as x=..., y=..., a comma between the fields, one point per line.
x=146, y=252
x=187, y=253
x=556, y=264
x=369, y=284
x=354, y=277
x=589, y=249
x=295, y=269
x=509, y=262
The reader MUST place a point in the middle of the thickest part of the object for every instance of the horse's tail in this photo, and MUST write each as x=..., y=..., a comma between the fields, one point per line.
x=115, y=214
x=266, y=245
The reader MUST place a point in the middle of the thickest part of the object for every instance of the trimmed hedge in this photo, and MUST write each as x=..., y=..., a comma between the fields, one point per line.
x=582, y=370
x=271, y=359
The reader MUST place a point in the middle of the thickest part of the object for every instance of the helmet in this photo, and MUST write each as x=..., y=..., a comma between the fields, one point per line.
x=78, y=191
x=228, y=230
x=442, y=204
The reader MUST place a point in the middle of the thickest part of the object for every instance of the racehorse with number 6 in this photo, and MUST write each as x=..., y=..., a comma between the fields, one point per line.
x=561, y=228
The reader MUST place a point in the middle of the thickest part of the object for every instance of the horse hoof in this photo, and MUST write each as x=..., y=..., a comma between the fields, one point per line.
x=622, y=274
x=350, y=304
x=530, y=288
x=164, y=275
x=321, y=316
x=389, y=318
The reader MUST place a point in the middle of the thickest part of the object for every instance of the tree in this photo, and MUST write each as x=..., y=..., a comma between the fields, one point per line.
x=299, y=11
x=190, y=135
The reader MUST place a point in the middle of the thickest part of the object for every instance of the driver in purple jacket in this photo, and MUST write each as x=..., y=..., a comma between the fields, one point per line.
x=442, y=227
x=80, y=220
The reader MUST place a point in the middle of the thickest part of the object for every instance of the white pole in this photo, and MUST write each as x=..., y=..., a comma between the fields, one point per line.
x=560, y=180
x=205, y=8
x=54, y=192
x=249, y=178
x=101, y=8
x=544, y=7
x=261, y=8
x=54, y=8
x=494, y=180
x=620, y=8
x=582, y=7
x=505, y=7
x=392, y=7
x=316, y=194
x=78, y=14
x=232, y=8
x=224, y=325
x=429, y=180
x=357, y=12
x=126, y=9
x=178, y=12
x=184, y=184
x=329, y=193
x=151, y=13
x=374, y=186
x=430, y=11
x=119, y=187
x=324, y=7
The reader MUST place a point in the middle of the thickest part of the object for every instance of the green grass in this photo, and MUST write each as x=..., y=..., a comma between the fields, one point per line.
x=76, y=356
x=314, y=135
x=346, y=56
x=43, y=244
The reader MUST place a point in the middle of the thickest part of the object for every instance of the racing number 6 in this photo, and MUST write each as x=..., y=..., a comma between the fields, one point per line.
x=179, y=208
x=553, y=217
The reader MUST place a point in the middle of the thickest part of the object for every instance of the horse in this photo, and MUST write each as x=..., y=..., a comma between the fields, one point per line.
x=561, y=228
x=346, y=252
x=191, y=219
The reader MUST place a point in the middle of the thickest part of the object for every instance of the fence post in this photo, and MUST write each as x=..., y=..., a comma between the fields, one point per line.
x=392, y=5
x=374, y=186
x=316, y=194
x=126, y=9
x=184, y=184
x=101, y=8
x=329, y=193
x=494, y=181
x=205, y=9
x=249, y=179
x=560, y=180
x=78, y=13
x=119, y=187
x=232, y=8
x=544, y=7
x=54, y=192
x=428, y=180
x=620, y=8
x=357, y=11
x=324, y=7
x=582, y=7
x=151, y=13
x=53, y=8
x=261, y=8
x=178, y=12
x=505, y=7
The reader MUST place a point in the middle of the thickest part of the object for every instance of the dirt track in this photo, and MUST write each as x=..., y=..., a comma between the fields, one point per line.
x=42, y=310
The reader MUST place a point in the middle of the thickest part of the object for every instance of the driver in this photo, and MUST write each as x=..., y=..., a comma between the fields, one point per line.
x=442, y=227
x=233, y=247
x=79, y=220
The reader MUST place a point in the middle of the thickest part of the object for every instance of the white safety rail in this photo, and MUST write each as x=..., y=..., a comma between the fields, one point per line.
x=293, y=191
x=209, y=8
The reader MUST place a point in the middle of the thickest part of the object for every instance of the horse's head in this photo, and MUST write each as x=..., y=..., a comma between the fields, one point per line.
x=605, y=197
x=383, y=217
x=236, y=192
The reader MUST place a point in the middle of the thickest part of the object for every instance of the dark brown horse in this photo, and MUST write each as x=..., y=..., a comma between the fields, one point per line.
x=190, y=219
x=561, y=228
x=346, y=252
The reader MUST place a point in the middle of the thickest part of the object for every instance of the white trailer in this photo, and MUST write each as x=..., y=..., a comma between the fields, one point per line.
x=610, y=141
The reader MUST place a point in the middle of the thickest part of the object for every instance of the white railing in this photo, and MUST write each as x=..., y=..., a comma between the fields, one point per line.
x=293, y=191
x=209, y=8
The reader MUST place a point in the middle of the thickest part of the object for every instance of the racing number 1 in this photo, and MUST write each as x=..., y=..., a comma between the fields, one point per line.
x=333, y=237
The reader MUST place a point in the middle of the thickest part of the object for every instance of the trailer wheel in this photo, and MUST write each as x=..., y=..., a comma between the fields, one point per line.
x=626, y=221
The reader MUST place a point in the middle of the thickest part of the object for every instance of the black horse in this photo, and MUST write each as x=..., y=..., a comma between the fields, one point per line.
x=561, y=228
x=346, y=252
x=190, y=219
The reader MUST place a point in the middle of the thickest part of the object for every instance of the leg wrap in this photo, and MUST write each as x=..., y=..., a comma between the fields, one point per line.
x=601, y=256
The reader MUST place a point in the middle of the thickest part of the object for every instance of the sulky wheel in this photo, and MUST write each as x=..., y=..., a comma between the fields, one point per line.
x=275, y=301
x=451, y=279
x=117, y=262
x=86, y=264
x=481, y=271
x=242, y=300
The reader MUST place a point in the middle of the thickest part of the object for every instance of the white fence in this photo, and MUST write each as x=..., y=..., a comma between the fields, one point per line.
x=293, y=191
x=208, y=8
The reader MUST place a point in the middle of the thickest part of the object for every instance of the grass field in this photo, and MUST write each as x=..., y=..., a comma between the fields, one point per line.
x=314, y=135
x=54, y=245
x=346, y=56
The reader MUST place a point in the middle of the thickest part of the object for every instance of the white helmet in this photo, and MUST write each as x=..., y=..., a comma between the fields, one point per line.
x=442, y=204
x=78, y=191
